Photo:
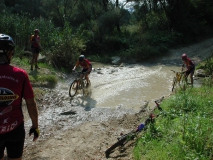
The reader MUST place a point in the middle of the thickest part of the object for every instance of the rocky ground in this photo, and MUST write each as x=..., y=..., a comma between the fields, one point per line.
x=71, y=129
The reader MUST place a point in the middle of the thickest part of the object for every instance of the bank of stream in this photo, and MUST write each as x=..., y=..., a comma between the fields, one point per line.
x=83, y=127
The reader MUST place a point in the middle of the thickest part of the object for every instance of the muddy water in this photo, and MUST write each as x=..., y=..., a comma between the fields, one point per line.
x=115, y=91
x=130, y=86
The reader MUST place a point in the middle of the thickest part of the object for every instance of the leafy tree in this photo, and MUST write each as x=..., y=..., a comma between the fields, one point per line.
x=2, y=5
x=59, y=10
x=32, y=7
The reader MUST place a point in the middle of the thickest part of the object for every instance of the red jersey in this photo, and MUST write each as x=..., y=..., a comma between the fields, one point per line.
x=14, y=84
x=35, y=40
x=189, y=64
x=85, y=64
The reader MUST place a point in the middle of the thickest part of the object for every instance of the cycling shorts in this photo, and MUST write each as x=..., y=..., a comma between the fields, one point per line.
x=13, y=141
x=35, y=50
x=86, y=69
x=192, y=70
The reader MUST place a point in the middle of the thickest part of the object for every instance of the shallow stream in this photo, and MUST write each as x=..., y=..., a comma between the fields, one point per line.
x=116, y=90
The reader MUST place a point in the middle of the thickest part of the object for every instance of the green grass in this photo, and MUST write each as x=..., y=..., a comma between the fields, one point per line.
x=184, y=131
x=44, y=77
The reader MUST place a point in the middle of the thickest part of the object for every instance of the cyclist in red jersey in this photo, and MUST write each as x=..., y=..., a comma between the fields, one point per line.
x=86, y=65
x=14, y=85
x=36, y=47
x=190, y=67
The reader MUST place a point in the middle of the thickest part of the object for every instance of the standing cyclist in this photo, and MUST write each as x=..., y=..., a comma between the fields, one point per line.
x=190, y=67
x=14, y=85
x=86, y=65
x=36, y=47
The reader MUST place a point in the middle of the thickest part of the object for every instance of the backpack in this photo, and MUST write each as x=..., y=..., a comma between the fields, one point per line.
x=33, y=41
x=31, y=38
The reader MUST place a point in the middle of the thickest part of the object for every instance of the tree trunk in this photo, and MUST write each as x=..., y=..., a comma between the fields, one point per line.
x=118, y=24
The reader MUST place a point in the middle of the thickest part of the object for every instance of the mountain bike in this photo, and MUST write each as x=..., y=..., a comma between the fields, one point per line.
x=78, y=84
x=179, y=79
x=124, y=138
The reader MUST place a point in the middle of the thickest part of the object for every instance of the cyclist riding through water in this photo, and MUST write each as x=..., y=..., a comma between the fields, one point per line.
x=86, y=65
x=190, y=67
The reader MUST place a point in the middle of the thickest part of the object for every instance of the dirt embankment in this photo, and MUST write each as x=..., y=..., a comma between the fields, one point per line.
x=73, y=129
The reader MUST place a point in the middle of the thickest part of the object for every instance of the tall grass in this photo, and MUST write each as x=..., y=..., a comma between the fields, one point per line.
x=184, y=131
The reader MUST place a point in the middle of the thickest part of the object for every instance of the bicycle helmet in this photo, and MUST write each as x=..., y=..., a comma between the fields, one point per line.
x=184, y=56
x=36, y=31
x=81, y=58
x=6, y=42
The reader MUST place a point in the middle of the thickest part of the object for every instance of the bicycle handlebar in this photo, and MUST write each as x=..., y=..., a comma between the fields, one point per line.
x=178, y=72
x=158, y=106
x=175, y=71
x=149, y=119
x=74, y=71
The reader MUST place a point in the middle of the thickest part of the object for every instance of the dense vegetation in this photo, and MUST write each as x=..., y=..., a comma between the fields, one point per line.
x=183, y=130
x=102, y=28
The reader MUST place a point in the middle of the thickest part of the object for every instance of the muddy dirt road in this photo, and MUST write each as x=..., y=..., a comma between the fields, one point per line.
x=83, y=127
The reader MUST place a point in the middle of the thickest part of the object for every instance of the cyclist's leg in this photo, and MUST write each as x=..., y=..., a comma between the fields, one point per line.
x=185, y=76
x=87, y=78
x=191, y=77
x=15, y=143
x=89, y=70
x=81, y=77
x=87, y=75
x=33, y=57
x=2, y=146
x=36, y=58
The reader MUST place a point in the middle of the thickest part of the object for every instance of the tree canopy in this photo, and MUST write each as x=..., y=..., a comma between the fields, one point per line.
x=131, y=28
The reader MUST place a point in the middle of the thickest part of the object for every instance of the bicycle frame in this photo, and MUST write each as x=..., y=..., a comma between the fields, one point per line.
x=179, y=79
x=78, y=84
x=123, y=139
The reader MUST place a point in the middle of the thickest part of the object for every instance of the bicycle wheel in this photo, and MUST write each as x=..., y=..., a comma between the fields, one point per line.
x=73, y=88
x=85, y=82
x=121, y=141
x=174, y=83
x=83, y=85
x=183, y=84
x=84, y=88
x=115, y=145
